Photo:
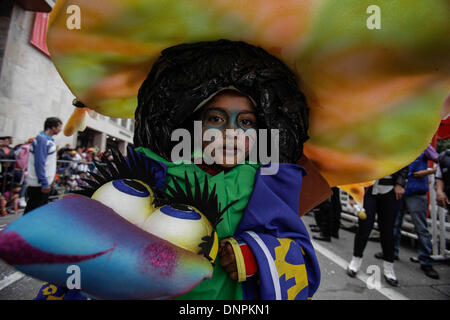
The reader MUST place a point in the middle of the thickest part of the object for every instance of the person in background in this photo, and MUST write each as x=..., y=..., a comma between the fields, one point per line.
x=382, y=199
x=91, y=156
x=416, y=203
x=83, y=165
x=22, y=156
x=76, y=158
x=10, y=198
x=5, y=150
x=42, y=164
x=5, y=146
x=443, y=180
x=8, y=177
x=329, y=217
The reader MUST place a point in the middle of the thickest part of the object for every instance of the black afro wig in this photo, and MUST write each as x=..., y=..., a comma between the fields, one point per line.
x=187, y=74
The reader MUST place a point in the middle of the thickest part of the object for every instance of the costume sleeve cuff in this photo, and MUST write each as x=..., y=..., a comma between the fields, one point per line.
x=245, y=260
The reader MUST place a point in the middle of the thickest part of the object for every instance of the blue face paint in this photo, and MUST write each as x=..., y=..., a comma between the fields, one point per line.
x=218, y=118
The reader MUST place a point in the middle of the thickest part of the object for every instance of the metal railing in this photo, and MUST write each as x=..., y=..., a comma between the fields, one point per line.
x=10, y=176
x=439, y=226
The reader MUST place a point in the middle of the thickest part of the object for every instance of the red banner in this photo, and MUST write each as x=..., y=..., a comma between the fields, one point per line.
x=39, y=34
x=444, y=129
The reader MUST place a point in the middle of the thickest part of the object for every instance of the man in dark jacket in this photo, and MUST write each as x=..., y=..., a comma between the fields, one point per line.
x=416, y=203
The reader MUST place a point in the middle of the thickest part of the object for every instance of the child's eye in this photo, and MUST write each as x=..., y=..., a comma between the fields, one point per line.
x=247, y=123
x=215, y=119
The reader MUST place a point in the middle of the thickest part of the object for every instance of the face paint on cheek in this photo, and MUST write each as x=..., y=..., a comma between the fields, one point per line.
x=208, y=126
x=233, y=120
x=214, y=119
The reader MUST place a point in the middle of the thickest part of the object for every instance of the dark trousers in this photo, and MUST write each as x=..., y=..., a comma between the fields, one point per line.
x=328, y=216
x=36, y=198
x=385, y=207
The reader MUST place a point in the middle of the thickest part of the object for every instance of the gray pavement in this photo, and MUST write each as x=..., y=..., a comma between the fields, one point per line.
x=335, y=284
x=413, y=284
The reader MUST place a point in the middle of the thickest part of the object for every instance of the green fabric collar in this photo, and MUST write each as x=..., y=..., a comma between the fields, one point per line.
x=236, y=184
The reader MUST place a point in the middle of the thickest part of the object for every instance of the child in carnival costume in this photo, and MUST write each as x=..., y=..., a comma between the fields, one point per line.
x=233, y=85
x=265, y=251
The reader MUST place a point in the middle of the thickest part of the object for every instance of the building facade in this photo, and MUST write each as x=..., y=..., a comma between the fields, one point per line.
x=32, y=90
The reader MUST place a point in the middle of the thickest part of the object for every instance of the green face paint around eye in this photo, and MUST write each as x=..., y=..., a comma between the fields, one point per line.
x=217, y=118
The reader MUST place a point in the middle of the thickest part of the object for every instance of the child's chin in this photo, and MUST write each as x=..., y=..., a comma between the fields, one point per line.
x=232, y=161
x=226, y=165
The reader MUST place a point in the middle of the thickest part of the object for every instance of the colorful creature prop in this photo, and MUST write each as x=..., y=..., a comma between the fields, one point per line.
x=131, y=240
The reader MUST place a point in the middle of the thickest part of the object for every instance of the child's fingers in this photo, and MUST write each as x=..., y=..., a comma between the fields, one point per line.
x=226, y=260
x=225, y=249
x=231, y=268
x=233, y=275
x=227, y=256
x=222, y=243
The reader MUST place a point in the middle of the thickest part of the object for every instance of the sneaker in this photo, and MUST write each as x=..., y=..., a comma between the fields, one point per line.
x=354, y=266
x=430, y=272
x=22, y=203
x=389, y=274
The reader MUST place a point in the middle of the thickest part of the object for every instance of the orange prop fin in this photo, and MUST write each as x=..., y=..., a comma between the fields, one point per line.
x=76, y=122
x=357, y=192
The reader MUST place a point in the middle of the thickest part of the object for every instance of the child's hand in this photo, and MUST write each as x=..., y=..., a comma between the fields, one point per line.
x=228, y=260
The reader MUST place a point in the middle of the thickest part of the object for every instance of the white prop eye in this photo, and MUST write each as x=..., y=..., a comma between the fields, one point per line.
x=131, y=199
x=181, y=225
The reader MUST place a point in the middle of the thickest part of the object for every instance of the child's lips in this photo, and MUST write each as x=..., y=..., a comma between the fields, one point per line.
x=231, y=150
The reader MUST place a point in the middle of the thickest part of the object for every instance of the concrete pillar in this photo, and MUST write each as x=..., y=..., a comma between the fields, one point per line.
x=100, y=141
x=123, y=147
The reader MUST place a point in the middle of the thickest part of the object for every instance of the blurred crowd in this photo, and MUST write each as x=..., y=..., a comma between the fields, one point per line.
x=73, y=165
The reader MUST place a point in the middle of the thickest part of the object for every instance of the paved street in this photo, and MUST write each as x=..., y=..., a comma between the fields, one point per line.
x=335, y=285
x=413, y=284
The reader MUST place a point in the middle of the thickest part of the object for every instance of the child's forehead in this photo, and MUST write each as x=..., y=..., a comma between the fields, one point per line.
x=230, y=101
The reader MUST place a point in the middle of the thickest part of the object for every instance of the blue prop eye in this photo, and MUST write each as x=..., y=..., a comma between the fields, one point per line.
x=181, y=212
x=131, y=187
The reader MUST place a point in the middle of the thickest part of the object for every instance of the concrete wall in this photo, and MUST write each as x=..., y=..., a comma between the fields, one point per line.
x=32, y=90
x=5, y=17
x=30, y=87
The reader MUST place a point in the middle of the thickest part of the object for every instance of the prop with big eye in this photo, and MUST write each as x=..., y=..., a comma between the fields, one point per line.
x=183, y=226
x=131, y=199
x=180, y=224
x=131, y=240
x=183, y=217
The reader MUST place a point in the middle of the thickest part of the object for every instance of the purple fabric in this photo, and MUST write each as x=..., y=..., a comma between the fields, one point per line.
x=272, y=214
x=431, y=153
